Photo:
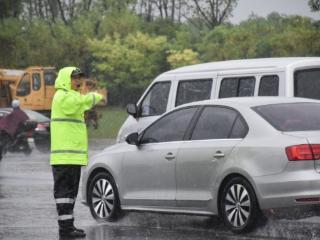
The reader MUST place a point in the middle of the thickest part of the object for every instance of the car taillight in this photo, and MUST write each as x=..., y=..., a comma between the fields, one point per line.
x=303, y=152
x=40, y=127
x=316, y=151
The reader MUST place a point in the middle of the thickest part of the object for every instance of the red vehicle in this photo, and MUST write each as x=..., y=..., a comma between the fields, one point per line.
x=41, y=131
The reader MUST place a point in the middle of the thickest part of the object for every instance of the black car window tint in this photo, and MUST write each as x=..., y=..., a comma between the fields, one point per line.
x=214, y=123
x=246, y=87
x=171, y=127
x=237, y=87
x=307, y=83
x=269, y=86
x=289, y=117
x=156, y=100
x=229, y=88
x=193, y=90
x=239, y=129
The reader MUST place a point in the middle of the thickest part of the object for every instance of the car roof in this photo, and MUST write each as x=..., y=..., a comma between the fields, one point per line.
x=251, y=101
x=33, y=115
x=6, y=109
x=244, y=64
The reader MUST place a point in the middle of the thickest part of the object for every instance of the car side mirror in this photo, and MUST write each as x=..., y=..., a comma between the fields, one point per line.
x=132, y=109
x=133, y=139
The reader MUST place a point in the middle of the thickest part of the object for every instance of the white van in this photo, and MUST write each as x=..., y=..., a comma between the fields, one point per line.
x=298, y=77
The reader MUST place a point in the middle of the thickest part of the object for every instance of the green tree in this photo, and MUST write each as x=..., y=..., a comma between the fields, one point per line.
x=274, y=36
x=121, y=23
x=213, y=45
x=128, y=64
x=182, y=58
x=299, y=38
x=212, y=12
x=13, y=47
x=10, y=8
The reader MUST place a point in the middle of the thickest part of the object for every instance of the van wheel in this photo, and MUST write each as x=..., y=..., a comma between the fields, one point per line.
x=238, y=205
x=103, y=197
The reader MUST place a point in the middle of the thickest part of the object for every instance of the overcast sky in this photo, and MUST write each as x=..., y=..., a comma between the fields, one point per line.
x=264, y=7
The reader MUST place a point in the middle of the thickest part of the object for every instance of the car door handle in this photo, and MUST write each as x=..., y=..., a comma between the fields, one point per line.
x=169, y=156
x=219, y=154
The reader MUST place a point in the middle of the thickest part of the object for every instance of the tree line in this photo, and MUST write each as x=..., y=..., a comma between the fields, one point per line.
x=126, y=43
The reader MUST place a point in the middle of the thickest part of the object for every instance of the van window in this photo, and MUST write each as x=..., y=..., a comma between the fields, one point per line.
x=237, y=87
x=36, y=81
x=307, y=83
x=24, y=86
x=269, y=86
x=193, y=90
x=156, y=100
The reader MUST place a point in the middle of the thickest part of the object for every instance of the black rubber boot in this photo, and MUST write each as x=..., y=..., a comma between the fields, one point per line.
x=78, y=229
x=74, y=233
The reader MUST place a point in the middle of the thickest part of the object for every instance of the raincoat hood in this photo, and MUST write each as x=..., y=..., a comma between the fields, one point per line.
x=63, y=80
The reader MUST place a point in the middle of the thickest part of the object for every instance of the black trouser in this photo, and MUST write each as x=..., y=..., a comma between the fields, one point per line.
x=66, y=184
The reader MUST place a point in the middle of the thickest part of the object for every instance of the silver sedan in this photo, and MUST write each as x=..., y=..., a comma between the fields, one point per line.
x=231, y=157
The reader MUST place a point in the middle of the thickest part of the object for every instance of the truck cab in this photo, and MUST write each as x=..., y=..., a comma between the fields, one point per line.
x=35, y=88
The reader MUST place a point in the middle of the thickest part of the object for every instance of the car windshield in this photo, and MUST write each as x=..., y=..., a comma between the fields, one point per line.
x=36, y=116
x=289, y=117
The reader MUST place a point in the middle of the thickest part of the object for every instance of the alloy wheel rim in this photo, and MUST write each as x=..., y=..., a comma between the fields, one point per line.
x=103, y=198
x=237, y=205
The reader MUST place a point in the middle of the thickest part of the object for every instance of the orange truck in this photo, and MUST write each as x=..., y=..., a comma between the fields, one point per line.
x=34, y=87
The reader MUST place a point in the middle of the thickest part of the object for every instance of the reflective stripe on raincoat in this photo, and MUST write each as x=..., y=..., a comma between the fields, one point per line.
x=69, y=140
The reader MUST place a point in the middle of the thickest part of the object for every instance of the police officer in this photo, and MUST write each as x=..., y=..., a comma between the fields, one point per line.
x=69, y=145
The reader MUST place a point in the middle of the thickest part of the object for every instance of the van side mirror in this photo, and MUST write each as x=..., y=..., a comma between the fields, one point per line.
x=133, y=139
x=132, y=109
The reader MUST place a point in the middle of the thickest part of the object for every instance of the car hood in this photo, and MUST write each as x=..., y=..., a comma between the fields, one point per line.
x=113, y=149
x=107, y=157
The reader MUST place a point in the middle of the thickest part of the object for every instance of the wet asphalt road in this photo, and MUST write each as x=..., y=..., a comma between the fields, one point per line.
x=27, y=211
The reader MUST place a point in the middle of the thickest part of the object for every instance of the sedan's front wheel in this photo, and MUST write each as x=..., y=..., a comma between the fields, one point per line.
x=238, y=205
x=103, y=197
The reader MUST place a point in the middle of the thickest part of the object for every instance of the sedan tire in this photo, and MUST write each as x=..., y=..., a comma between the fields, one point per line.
x=103, y=197
x=238, y=205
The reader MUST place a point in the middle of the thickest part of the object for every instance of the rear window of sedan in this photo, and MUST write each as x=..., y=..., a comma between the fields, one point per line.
x=36, y=116
x=289, y=117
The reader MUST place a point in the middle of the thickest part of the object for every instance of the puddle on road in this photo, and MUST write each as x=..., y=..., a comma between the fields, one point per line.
x=102, y=232
x=2, y=196
x=284, y=224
